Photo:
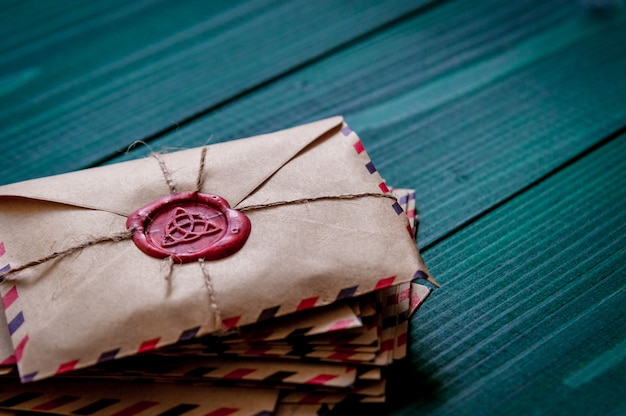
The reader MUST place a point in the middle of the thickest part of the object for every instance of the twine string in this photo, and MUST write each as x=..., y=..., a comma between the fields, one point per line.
x=129, y=233
x=166, y=173
x=71, y=250
x=170, y=262
x=200, y=179
x=317, y=198
x=208, y=283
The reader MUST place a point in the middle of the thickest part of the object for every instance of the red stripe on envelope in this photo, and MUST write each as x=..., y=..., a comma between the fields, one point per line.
x=258, y=350
x=383, y=283
x=419, y=293
x=387, y=345
x=341, y=356
x=10, y=360
x=307, y=303
x=341, y=324
x=383, y=187
x=415, y=303
x=19, y=350
x=2, y=250
x=358, y=146
x=401, y=339
x=222, y=411
x=399, y=297
x=312, y=398
x=321, y=379
x=231, y=322
x=148, y=345
x=135, y=408
x=239, y=373
x=9, y=297
x=68, y=366
x=55, y=403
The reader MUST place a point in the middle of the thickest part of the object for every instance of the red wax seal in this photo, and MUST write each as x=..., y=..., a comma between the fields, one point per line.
x=189, y=226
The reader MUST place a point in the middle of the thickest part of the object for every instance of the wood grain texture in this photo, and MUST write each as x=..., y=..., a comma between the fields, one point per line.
x=125, y=79
x=379, y=68
x=513, y=111
x=531, y=316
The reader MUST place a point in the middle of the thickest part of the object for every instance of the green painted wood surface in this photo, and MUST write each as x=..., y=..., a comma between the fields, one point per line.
x=132, y=76
x=509, y=118
x=532, y=320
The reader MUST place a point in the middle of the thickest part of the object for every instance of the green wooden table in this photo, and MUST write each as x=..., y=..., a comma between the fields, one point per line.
x=507, y=117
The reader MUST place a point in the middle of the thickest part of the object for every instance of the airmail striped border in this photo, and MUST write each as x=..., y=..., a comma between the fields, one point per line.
x=369, y=165
x=307, y=303
x=15, y=318
x=39, y=400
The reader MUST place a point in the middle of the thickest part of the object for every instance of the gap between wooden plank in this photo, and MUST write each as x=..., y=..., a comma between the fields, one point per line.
x=462, y=58
x=350, y=43
x=533, y=298
x=445, y=118
x=588, y=151
x=89, y=124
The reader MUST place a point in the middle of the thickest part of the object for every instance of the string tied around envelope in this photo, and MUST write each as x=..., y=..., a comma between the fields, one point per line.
x=128, y=234
x=125, y=235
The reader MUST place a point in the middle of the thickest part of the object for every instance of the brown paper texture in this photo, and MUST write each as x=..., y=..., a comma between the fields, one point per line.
x=112, y=300
x=372, y=374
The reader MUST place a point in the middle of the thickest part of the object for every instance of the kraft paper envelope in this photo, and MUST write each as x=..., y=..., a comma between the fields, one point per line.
x=236, y=369
x=323, y=228
x=105, y=398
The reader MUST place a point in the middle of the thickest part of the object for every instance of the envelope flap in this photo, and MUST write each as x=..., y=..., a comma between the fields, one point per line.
x=125, y=187
x=235, y=169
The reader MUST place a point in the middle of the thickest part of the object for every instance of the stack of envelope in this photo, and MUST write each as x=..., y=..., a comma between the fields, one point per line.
x=304, y=313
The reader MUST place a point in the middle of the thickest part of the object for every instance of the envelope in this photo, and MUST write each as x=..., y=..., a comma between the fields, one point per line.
x=229, y=369
x=105, y=397
x=322, y=227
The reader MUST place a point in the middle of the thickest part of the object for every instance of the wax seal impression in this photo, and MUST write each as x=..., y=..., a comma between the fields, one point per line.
x=189, y=226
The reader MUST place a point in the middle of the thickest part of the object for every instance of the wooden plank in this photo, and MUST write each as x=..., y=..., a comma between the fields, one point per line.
x=26, y=25
x=382, y=67
x=533, y=97
x=530, y=316
x=539, y=302
x=97, y=90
